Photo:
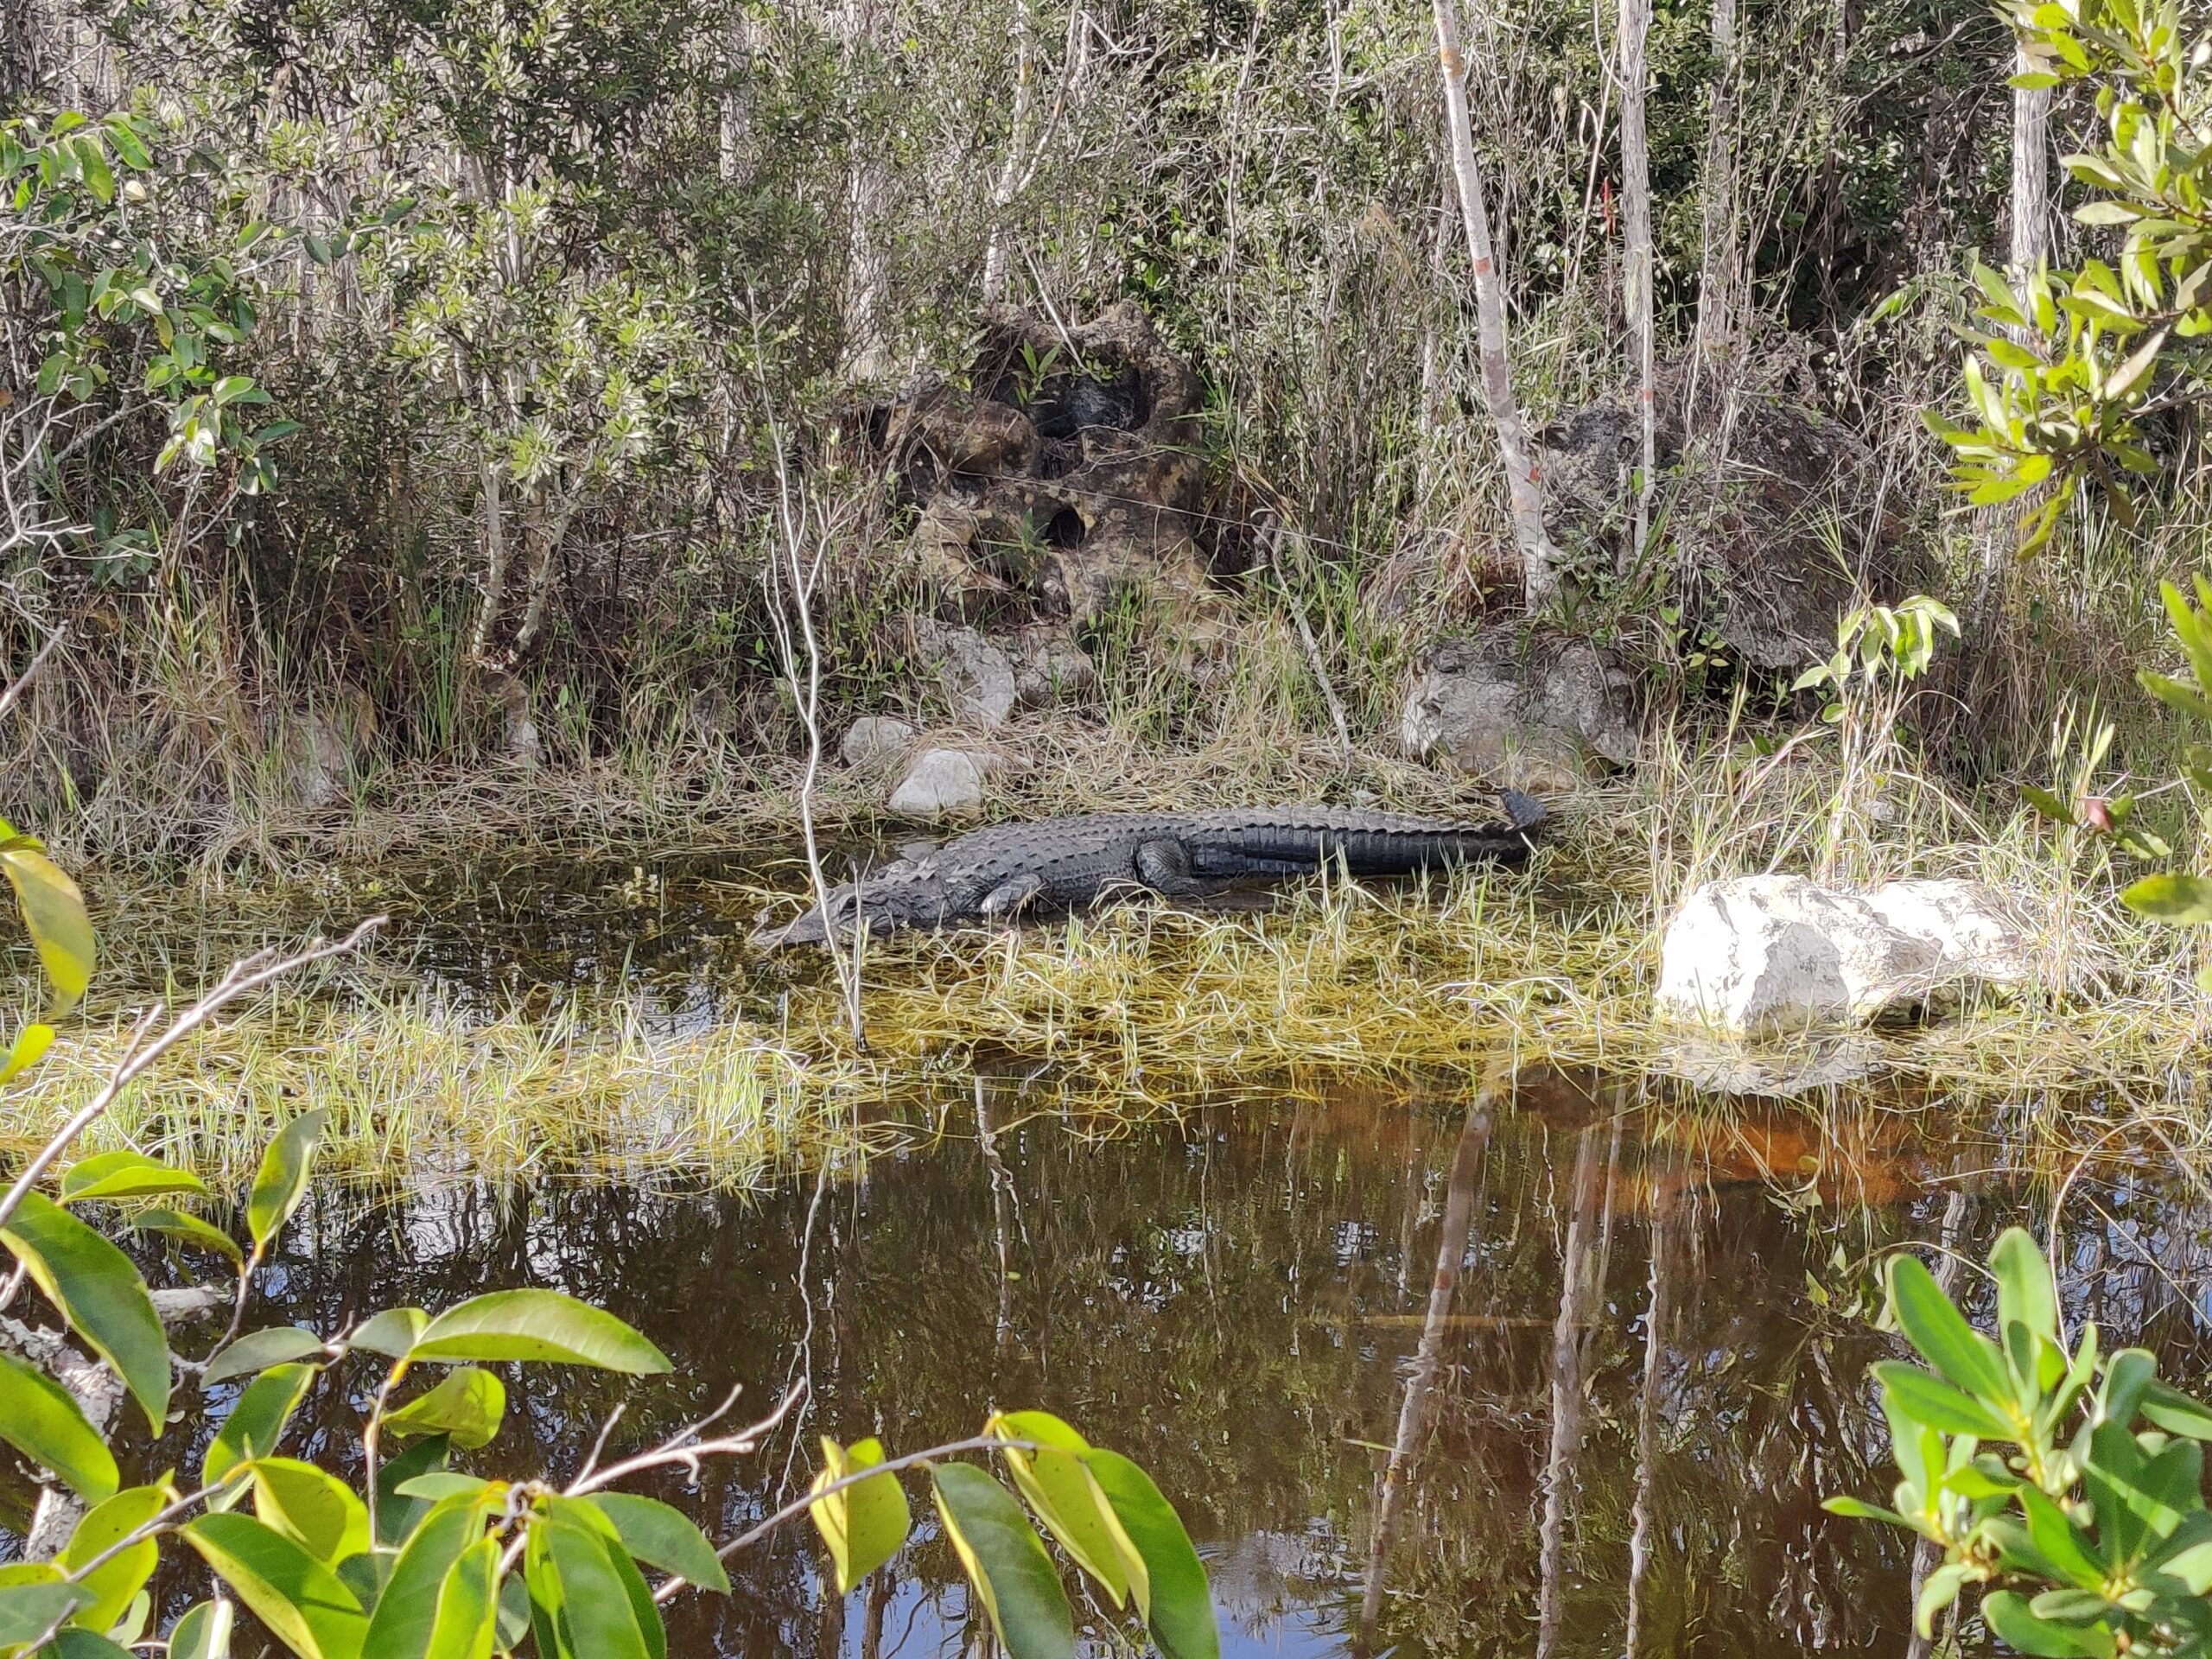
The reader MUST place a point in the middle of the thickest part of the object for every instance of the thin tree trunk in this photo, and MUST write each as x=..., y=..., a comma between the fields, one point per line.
x=1716, y=291
x=867, y=190
x=1421, y=1376
x=1017, y=148
x=1539, y=560
x=1636, y=186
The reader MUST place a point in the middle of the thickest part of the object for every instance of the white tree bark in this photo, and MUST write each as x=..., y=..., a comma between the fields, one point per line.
x=1635, y=204
x=1017, y=149
x=1716, y=290
x=1539, y=560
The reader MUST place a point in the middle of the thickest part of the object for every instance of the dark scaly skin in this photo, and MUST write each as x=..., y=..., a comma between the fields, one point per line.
x=1062, y=863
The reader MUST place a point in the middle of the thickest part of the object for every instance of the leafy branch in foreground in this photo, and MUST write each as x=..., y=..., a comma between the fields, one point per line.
x=2067, y=1484
x=423, y=1560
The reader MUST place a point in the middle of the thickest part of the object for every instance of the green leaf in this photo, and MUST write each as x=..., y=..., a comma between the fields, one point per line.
x=189, y=1229
x=665, y=1537
x=1940, y=1331
x=2048, y=803
x=301, y=1600
x=203, y=1632
x=864, y=1524
x=405, y=1624
x=29, y=1611
x=317, y=1511
x=54, y=913
x=124, y=1175
x=43, y=1421
x=2175, y=1412
x=71, y=1642
x=2170, y=898
x=586, y=1589
x=256, y=1423
x=468, y=1406
x=2008, y=1615
x=1006, y=1561
x=26, y=1050
x=468, y=1606
x=1941, y=1589
x=1063, y=1494
x=1857, y=1510
x=398, y=1504
x=115, y=1583
x=538, y=1324
x=99, y=1293
x=2175, y=695
x=391, y=1334
x=258, y=1349
x=282, y=1180
x=1183, y=1621
x=1928, y=1398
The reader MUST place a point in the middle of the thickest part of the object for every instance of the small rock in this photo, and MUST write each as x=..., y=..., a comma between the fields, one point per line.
x=977, y=674
x=1766, y=953
x=1539, y=719
x=944, y=784
x=875, y=741
x=1050, y=667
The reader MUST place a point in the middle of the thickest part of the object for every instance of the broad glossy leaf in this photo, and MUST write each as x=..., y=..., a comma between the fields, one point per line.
x=663, y=1536
x=124, y=1175
x=2009, y=1616
x=2065, y=1551
x=468, y=1406
x=407, y=1614
x=256, y=1423
x=189, y=1229
x=538, y=1324
x=864, y=1524
x=2024, y=1284
x=99, y=1293
x=54, y=911
x=258, y=1351
x=29, y=1611
x=115, y=1583
x=443, y=1484
x=26, y=1050
x=43, y=1421
x=315, y=1511
x=584, y=1579
x=203, y=1632
x=300, y=1599
x=1928, y=1398
x=1006, y=1561
x=282, y=1180
x=390, y=1333
x=1182, y=1622
x=1062, y=1492
x=1940, y=1331
x=2170, y=898
x=468, y=1606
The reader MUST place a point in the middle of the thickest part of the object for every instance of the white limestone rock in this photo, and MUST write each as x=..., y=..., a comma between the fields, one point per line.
x=945, y=784
x=1767, y=953
x=1542, y=719
x=979, y=677
x=876, y=741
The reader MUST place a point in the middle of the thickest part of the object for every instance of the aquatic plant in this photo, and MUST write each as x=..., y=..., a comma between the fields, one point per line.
x=2067, y=1485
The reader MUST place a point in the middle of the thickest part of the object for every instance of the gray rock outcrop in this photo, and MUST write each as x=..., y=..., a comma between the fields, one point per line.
x=876, y=741
x=945, y=784
x=1540, y=715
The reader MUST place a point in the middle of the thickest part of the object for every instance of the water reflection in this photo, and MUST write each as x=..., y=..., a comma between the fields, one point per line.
x=1542, y=1367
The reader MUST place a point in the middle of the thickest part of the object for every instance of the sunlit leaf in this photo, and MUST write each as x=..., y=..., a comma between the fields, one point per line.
x=1928, y=1398
x=1182, y=1621
x=538, y=1324
x=99, y=1293
x=256, y=1423
x=1059, y=1488
x=663, y=1536
x=866, y=1523
x=406, y=1622
x=124, y=1175
x=2008, y=1615
x=282, y=1180
x=29, y=1611
x=314, y=1510
x=188, y=1230
x=301, y=1600
x=468, y=1406
x=1006, y=1563
x=54, y=913
x=116, y=1581
x=391, y=1334
x=1940, y=1331
x=594, y=1603
x=43, y=1421
x=2170, y=898
x=203, y=1632
x=26, y=1050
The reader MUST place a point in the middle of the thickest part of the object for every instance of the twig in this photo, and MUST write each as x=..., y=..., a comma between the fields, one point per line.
x=15, y=687
x=681, y=1448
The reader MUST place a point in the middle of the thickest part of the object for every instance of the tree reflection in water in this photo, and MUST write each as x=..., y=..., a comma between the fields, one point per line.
x=1640, y=1367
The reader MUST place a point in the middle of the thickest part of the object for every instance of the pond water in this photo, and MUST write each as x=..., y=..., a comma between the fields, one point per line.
x=1236, y=1300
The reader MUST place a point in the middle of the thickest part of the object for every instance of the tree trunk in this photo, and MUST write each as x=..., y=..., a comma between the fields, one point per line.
x=867, y=188
x=1635, y=188
x=1017, y=148
x=1539, y=560
x=1716, y=288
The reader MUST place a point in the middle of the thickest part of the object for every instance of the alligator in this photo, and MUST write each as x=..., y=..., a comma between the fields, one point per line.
x=1059, y=863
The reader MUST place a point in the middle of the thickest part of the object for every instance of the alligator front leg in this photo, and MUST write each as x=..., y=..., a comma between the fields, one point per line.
x=1011, y=898
x=1164, y=865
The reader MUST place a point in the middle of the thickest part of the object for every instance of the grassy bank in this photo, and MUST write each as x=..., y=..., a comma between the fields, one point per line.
x=1143, y=1008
